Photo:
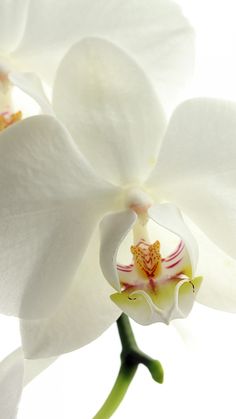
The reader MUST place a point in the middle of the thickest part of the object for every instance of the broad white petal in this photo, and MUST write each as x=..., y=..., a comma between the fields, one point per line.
x=50, y=203
x=218, y=289
x=11, y=384
x=114, y=228
x=155, y=32
x=13, y=17
x=34, y=367
x=32, y=85
x=197, y=167
x=169, y=217
x=110, y=108
x=85, y=313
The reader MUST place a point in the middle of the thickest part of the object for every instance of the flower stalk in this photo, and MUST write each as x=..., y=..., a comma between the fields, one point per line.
x=131, y=356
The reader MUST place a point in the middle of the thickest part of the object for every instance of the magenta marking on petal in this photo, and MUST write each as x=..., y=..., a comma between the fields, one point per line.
x=177, y=251
x=169, y=259
x=180, y=248
x=174, y=264
x=6, y=113
x=142, y=241
x=125, y=268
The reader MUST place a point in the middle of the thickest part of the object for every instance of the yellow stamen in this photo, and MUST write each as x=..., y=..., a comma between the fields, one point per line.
x=147, y=258
x=5, y=122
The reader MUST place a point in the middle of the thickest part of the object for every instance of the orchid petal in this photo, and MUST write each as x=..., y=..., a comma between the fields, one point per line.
x=46, y=216
x=114, y=228
x=137, y=305
x=85, y=313
x=32, y=85
x=218, y=289
x=169, y=217
x=13, y=17
x=15, y=373
x=197, y=170
x=34, y=367
x=155, y=32
x=172, y=300
x=11, y=384
x=186, y=294
x=110, y=108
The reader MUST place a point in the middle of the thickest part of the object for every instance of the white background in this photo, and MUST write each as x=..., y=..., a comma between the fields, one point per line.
x=199, y=353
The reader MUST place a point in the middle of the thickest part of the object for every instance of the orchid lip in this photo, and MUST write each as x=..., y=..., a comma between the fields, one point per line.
x=153, y=284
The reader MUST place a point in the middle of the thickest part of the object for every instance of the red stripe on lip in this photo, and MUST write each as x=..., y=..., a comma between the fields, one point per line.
x=176, y=253
x=174, y=264
x=124, y=268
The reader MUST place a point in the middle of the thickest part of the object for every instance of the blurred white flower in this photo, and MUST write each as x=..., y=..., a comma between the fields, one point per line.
x=34, y=36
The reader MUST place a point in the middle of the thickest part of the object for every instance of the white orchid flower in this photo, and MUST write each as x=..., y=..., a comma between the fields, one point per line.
x=34, y=36
x=52, y=199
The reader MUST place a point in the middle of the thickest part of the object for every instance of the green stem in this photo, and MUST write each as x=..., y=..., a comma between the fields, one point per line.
x=131, y=357
x=117, y=393
x=126, y=333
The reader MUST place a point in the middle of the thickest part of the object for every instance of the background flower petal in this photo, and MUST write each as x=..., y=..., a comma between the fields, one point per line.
x=11, y=384
x=110, y=108
x=155, y=32
x=13, y=17
x=32, y=85
x=50, y=202
x=196, y=169
x=85, y=313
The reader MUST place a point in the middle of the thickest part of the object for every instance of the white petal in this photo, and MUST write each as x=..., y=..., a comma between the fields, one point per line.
x=218, y=289
x=154, y=32
x=186, y=293
x=32, y=85
x=13, y=16
x=86, y=312
x=169, y=217
x=50, y=203
x=197, y=167
x=114, y=228
x=11, y=384
x=34, y=367
x=110, y=108
x=15, y=373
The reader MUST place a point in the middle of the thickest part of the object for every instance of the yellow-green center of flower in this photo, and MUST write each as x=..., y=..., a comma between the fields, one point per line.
x=154, y=286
